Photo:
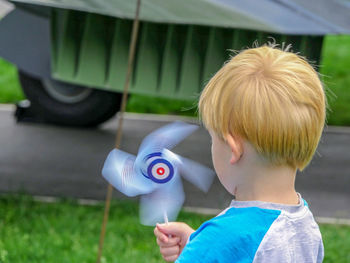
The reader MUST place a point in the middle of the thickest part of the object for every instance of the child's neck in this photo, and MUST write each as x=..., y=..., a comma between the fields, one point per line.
x=275, y=185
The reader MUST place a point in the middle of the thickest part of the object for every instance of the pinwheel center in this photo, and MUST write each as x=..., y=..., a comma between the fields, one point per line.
x=148, y=160
x=160, y=171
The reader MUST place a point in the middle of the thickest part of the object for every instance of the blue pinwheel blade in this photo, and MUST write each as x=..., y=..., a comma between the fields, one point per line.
x=196, y=173
x=166, y=137
x=119, y=171
x=166, y=199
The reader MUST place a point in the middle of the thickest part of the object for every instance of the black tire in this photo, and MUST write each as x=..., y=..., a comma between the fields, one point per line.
x=91, y=109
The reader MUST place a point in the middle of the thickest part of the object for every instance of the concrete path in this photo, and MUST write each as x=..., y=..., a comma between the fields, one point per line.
x=55, y=161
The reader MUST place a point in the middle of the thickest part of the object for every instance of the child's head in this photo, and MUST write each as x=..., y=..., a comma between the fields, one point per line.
x=273, y=99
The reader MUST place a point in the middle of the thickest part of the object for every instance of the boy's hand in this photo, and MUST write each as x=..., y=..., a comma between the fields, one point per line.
x=172, y=238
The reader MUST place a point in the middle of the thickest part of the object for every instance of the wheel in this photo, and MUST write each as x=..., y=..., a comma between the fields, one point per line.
x=66, y=104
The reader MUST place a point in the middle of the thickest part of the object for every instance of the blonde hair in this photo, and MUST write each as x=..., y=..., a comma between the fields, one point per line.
x=272, y=98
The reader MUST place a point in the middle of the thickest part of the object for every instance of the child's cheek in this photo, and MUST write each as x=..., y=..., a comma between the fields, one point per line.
x=218, y=160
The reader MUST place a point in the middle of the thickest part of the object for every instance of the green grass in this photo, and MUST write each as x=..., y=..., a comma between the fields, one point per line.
x=336, y=64
x=67, y=232
x=336, y=240
x=10, y=89
x=147, y=104
x=335, y=67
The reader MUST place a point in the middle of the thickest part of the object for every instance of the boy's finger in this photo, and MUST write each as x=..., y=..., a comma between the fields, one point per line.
x=169, y=251
x=173, y=228
x=170, y=258
x=173, y=241
x=160, y=235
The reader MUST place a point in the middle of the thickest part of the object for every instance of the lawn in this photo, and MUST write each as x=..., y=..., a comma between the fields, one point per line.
x=66, y=232
x=335, y=69
x=10, y=89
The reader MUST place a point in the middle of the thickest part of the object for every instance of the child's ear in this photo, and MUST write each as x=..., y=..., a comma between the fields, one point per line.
x=236, y=145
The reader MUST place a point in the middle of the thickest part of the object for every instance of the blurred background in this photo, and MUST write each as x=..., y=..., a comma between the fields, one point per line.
x=62, y=71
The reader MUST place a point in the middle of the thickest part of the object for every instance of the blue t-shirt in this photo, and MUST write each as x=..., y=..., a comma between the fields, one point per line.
x=254, y=231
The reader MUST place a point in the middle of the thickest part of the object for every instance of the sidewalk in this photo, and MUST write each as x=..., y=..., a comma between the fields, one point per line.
x=55, y=161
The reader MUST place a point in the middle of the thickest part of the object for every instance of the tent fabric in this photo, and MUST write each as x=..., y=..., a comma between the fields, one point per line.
x=311, y=17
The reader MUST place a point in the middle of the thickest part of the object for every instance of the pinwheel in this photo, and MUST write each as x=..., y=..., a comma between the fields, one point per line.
x=154, y=173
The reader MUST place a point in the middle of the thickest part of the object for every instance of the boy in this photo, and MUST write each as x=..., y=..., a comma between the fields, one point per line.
x=265, y=111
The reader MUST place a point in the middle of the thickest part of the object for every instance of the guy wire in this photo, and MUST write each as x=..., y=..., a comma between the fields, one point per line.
x=132, y=48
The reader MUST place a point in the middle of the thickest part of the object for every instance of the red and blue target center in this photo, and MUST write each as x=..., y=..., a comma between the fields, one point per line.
x=160, y=171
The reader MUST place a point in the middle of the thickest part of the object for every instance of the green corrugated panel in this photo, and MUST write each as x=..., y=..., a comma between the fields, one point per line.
x=93, y=52
x=173, y=61
x=191, y=75
x=119, y=52
x=169, y=74
x=69, y=27
x=242, y=39
x=216, y=53
x=149, y=57
x=313, y=48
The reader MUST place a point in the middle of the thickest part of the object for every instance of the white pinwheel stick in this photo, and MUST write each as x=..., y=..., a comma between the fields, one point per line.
x=166, y=220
